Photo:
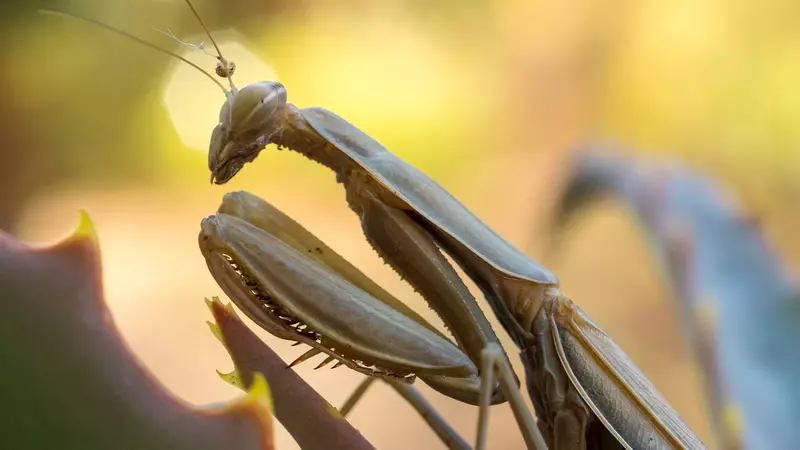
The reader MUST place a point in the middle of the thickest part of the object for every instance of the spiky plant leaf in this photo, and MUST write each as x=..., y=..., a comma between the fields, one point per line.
x=70, y=382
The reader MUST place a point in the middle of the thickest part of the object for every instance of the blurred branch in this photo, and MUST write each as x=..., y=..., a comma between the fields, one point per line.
x=740, y=303
x=312, y=421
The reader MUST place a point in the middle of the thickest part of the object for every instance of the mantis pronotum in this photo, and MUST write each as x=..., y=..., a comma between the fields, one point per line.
x=586, y=392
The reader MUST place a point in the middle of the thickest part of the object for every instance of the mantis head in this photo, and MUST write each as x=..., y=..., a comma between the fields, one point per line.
x=247, y=121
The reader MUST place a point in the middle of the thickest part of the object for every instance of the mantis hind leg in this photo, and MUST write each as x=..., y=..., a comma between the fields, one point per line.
x=494, y=362
x=357, y=394
x=438, y=424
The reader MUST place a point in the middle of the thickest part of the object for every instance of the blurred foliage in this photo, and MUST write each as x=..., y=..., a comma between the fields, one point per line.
x=715, y=80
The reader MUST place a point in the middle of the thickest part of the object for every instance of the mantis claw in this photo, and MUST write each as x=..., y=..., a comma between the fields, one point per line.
x=305, y=357
x=324, y=363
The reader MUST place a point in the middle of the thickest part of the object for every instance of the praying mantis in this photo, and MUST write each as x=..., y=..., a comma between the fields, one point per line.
x=585, y=390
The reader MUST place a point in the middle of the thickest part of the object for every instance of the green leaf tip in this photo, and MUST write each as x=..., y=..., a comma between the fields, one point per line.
x=233, y=379
x=227, y=307
x=334, y=411
x=216, y=331
x=257, y=402
x=230, y=309
x=85, y=229
x=259, y=392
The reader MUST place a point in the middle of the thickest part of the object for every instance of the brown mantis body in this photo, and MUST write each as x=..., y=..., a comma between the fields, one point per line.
x=585, y=389
x=586, y=392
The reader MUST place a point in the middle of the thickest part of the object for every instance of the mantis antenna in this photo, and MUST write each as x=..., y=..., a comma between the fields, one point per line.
x=227, y=66
x=148, y=44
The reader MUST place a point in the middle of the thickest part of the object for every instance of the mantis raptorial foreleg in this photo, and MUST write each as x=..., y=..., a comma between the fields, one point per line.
x=295, y=287
x=413, y=253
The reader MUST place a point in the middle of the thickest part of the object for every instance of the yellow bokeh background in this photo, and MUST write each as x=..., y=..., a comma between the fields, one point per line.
x=487, y=97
